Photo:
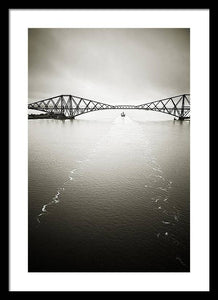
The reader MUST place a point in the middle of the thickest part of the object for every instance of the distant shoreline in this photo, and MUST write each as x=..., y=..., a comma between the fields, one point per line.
x=45, y=116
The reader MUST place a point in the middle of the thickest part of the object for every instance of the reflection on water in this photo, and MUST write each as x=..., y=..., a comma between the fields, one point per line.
x=108, y=195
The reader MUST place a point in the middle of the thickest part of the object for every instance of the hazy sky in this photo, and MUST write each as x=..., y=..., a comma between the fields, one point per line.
x=117, y=66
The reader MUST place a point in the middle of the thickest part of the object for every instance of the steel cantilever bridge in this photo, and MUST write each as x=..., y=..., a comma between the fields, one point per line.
x=68, y=106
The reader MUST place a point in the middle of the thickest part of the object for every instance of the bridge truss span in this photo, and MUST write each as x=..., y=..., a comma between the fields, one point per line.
x=68, y=106
x=177, y=106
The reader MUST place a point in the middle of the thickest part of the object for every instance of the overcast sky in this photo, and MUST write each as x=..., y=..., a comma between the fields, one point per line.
x=116, y=66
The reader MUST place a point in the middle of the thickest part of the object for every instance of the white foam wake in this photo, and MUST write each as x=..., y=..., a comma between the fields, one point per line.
x=55, y=199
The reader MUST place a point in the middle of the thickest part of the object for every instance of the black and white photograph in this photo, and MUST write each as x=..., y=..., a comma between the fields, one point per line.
x=109, y=120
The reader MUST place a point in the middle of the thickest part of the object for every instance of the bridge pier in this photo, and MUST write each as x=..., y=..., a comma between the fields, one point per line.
x=182, y=118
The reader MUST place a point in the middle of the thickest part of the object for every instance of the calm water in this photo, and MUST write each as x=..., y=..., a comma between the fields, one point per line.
x=109, y=194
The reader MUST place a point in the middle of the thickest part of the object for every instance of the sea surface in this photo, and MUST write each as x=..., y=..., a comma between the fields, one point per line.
x=109, y=194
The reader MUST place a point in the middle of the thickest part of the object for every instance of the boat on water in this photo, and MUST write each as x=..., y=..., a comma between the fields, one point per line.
x=122, y=114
